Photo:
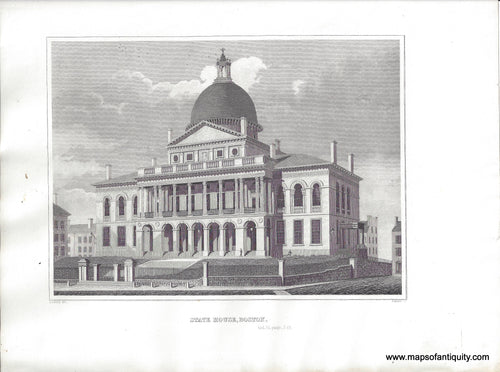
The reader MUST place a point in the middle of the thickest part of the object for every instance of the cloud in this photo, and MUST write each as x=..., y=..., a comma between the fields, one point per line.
x=68, y=167
x=296, y=86
x=80, y=203
x=246, y=71
x=187, y=88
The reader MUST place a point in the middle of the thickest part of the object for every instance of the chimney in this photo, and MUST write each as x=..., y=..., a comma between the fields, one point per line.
x=91, y=223
x=273, y=151
x=54, y=198
x=397, y=220
x=108, y=172
x=153, y=162
x=169, y=135
x=351, y=163
x=243, y=127
x=333, y=152
x=278, y=144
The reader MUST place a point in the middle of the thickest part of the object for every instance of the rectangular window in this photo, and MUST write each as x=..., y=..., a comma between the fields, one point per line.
x=105, y=236
x=298, y=232
x=56, y=237
x=85, y=249
x=79, y=239
x=219, y=153
x=61, y=237
x=398, y=252
x=315, y=231
x=398, y=267
x=90, y=239
x=189, y=156
x=56, y=225
x=79, y=249
x=85, y=239
x=280, y=232
x=90, y=249
x=121, y=236
x=134, y=237
x=398, y=239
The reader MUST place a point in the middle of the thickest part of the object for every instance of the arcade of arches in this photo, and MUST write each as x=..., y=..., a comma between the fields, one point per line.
x=197, y=239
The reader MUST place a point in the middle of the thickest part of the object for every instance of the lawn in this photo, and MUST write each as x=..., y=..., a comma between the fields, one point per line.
x=364, y=286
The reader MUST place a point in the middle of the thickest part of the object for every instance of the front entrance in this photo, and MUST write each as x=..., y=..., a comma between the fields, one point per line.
x=213, y=237
x=250, y=236
x=230, y=237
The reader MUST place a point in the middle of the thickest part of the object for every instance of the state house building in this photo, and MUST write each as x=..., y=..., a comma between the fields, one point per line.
x=225, y=193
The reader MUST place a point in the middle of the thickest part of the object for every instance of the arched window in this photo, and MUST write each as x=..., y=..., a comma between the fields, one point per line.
x=316, y=195
x=121, y=206
x=280, y=197
x=343, y=199
x=298, y=198
x=135, y=205
x=348, y=200
x=337, y=197
x=106, y=207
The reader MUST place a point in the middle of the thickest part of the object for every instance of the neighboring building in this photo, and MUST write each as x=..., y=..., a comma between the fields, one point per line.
x=396, y=248
x=223, y=192
x=369, y=233
x=60, y=217
x=81, y=239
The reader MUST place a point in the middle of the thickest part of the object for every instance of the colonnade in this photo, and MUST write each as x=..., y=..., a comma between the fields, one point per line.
x=224, y=196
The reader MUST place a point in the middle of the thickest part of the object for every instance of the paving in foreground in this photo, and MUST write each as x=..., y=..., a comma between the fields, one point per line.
x=386, y=285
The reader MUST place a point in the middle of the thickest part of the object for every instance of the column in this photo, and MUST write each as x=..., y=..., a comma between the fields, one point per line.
x=263, y=194
x=205, y=240
x=115, y=272
x=205, y=273
x=174, y=200
x=220, y=197
x=139, y=202
x=189, y=207
x=257, y=194
x=220, y=241
x=204, y=201
x=242, y=195
x=155, y=200
x=190, y=240
x=162, y=198
x=96, y=272
x=269, y=198
x=260, y=242
x=240, y=236
x=175, y=243
x=235, y=196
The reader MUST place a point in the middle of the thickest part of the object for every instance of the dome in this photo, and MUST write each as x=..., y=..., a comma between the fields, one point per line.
x=223, y=100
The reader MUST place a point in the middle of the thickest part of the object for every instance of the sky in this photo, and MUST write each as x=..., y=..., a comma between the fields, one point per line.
x=113, y=101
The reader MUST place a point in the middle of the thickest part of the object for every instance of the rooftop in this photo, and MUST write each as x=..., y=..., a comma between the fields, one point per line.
x=58, y=211
x=81, y=228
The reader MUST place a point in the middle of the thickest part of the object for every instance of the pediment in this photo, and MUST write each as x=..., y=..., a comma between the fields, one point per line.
x=205, y=133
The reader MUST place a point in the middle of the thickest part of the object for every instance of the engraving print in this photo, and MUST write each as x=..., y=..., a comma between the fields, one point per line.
x=200, y=167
